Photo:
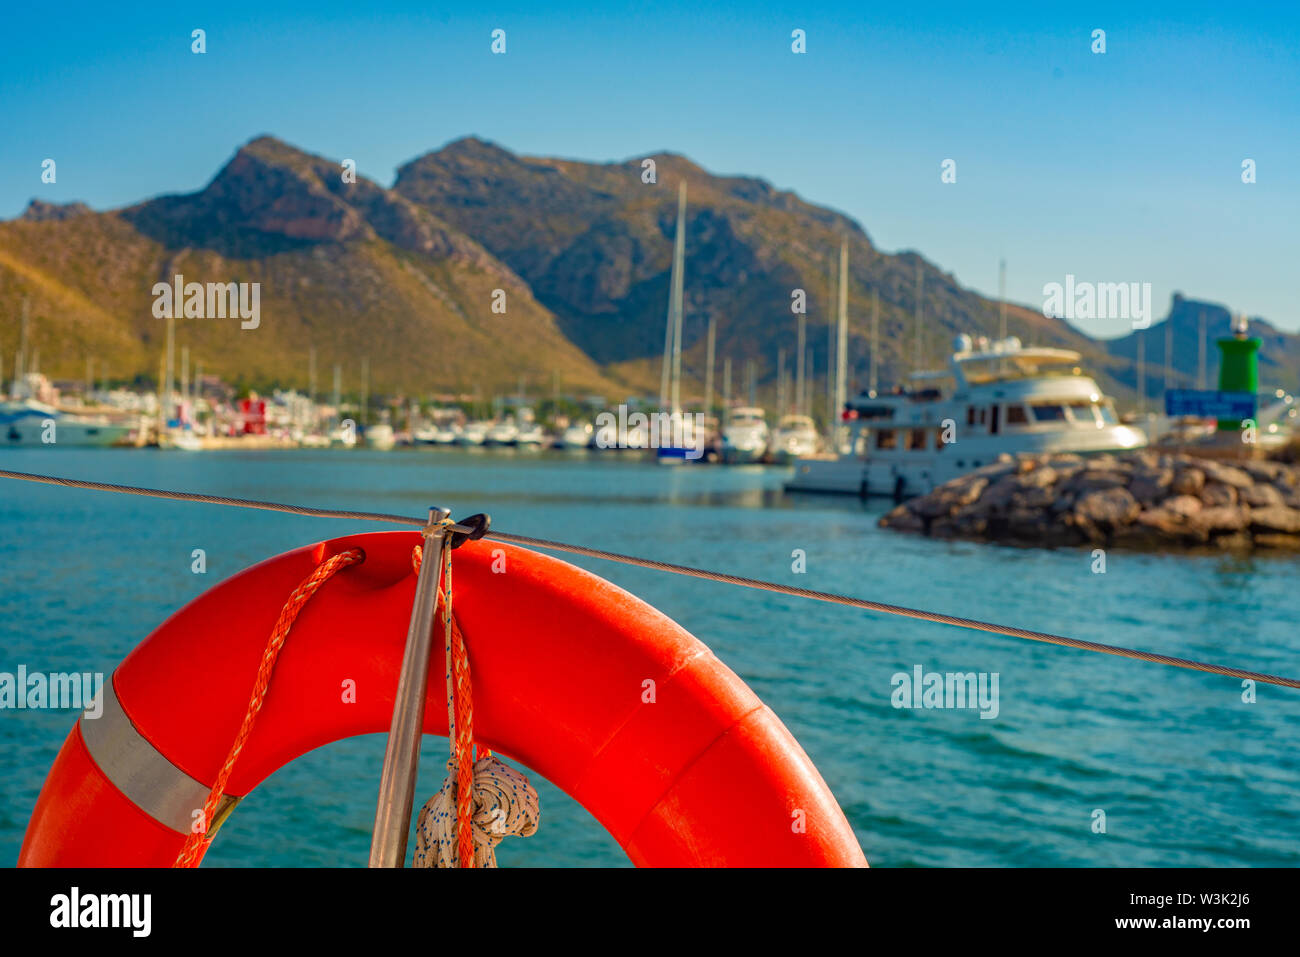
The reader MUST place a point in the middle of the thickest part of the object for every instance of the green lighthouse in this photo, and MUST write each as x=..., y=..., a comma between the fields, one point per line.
x=1238, y=366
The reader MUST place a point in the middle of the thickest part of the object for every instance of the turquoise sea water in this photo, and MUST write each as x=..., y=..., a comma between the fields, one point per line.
x=1186, y=772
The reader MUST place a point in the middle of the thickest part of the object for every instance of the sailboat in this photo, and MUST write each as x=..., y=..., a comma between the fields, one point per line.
x=27, y=420
x=677, y=441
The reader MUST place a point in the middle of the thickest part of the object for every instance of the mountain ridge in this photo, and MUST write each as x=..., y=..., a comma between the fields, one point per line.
x=407, y=276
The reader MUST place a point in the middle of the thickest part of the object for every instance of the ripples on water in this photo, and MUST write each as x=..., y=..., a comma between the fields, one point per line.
x=1186, y=772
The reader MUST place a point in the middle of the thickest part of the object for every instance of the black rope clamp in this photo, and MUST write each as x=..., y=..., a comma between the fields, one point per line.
x=479, y=525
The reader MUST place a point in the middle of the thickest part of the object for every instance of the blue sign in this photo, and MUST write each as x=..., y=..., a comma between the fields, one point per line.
x=1209, y=404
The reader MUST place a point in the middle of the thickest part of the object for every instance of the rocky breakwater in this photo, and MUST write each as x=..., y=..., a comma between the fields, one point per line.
x=1142, y=499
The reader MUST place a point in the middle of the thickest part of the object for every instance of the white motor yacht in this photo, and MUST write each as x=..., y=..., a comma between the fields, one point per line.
x=994, y=398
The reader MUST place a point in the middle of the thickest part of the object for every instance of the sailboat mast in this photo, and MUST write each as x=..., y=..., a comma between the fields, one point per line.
x=170, y=367
x=830, y=359
x=708, y=372
x=875, y=337
x=780, y=381
x=916, y=362
x=20, y=361
x=1142, y=372
x=842, y=338
x=799, y=365
x=1002, y=299
x=679, y=263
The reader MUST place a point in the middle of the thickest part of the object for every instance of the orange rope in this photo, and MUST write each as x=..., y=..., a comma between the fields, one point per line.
x=460, y=713
x=196, y=844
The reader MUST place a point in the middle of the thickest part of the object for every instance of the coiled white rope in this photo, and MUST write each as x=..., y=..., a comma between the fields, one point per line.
x=505, y=805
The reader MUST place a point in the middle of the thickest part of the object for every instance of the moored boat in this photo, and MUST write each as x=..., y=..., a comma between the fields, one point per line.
x=1002, y=398
x=29, y=422
x=745, y=436
x=794, y=437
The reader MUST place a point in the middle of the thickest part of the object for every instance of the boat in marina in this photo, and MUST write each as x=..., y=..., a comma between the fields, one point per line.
x=380, y=437
x=34, y=415
x=794, y=437
x=578, y=435
x=531, y=436
x=676, y=442
x=994, y=398
x=29, y=422
x=473, y=433
x=745, y=436
x=504, y=432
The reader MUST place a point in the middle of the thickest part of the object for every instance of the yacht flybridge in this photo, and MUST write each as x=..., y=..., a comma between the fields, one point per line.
x=995, y=397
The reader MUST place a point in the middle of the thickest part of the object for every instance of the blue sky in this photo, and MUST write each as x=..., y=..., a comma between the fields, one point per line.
x=1124, y=166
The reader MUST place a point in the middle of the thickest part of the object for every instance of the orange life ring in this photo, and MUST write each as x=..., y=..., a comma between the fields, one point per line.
x=698, y=773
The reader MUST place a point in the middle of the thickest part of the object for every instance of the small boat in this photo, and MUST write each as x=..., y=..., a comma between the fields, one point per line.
x=380, y=437
x=504, y=432
x=186, y=441
x=474, y=433
x=29, y=422
x=531, y=436
x=794, y=437
x=680, y=440
x=577, y=436
x=745, y=436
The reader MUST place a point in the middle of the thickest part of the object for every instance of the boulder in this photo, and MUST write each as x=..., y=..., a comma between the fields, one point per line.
x=1042, y=477
x=1222, y=518
x=1217, y=493
x=971, y=521
x=1150, y=485
x=1035, y=498
x=903, y=519
x=1092, y=480
x=1227, y=474
x=1187, y=481
x=998, y=495
x=1275, y=540
x=1109, y=507
x=1263, y=470
x=1171, y=525
x=1261, y=496
x=1183, y=505
x=1276, y=518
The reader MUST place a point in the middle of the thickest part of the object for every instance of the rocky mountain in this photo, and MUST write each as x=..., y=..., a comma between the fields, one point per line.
x=1181, y=330
x=581, y=252
x=594, y=241
x=349, y=268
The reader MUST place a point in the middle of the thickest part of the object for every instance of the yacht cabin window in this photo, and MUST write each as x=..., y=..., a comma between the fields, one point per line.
x=1016, y=415
x=916, y=440
x=886, y=439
